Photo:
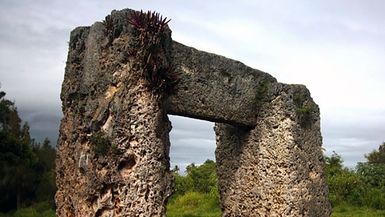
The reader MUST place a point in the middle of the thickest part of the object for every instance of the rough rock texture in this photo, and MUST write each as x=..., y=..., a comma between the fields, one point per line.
x=276, y=168
x=215, y=88
x=269, y=155
x=113, y=153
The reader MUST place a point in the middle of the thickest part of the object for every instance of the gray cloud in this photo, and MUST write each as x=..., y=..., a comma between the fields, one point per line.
x=192, y=141
x=352, y=138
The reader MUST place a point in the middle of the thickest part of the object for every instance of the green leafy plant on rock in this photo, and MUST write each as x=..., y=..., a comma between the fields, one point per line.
x=101, y=144
x=305, y=108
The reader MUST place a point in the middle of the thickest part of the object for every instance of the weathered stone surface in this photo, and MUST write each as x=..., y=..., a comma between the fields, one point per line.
x=215, y=88
x=113, y=153
x=275, y=169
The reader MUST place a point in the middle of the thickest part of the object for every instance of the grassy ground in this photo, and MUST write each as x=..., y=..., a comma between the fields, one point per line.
x=42, y=209
x=351, y=211
x=194, y=204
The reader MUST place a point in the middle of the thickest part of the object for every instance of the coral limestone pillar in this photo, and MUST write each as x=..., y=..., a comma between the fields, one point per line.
x=113, y=152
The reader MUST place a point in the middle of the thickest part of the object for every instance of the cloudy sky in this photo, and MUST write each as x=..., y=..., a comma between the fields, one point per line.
x=335, y=47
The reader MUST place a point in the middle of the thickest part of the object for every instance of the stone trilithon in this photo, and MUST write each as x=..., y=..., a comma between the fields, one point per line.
x=113, y=152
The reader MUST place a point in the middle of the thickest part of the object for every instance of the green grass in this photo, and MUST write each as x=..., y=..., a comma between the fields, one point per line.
x=42, y=209
x=29, y=212
x=194, y=204
x=352, y=211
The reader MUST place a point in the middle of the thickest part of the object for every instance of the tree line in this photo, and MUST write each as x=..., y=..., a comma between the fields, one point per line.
x=358, y=189
x=362, y=186
x=27, y=167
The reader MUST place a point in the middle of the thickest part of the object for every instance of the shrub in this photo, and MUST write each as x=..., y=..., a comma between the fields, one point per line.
x=346, y=187
x=373, y=174
x=375, y=198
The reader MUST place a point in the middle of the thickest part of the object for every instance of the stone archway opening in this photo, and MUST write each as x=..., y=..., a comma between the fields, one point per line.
x=192, y=163
x=192, y=141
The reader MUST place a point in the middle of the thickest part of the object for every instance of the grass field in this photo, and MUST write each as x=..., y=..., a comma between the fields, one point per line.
x=194, y=204
x=351, y=211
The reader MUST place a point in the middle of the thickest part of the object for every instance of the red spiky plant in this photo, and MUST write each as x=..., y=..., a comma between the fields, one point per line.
x=152, y=31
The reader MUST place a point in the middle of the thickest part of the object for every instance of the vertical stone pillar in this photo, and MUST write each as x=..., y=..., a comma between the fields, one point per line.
x=113, y=152
x=275, y=169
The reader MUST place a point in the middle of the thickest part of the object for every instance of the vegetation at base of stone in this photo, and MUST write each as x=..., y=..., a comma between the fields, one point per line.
x=27, y=168
x=201, y=179
x=196, y=193
x=359, y=192
x=194, y=204
x=152, y=56
x=344, y=210
x=362, y=187
x=42, y=209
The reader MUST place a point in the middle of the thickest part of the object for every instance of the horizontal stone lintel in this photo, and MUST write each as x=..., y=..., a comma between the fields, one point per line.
x=215, y=88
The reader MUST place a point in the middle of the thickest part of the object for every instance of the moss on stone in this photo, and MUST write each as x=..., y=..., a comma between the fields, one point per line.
x=304, y=107
x=101, y=144
x=261, y=92
x=305, y=114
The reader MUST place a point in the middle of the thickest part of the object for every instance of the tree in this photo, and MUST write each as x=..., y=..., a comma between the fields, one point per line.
x=344, y=184
x=26, y=167
x=202, y=179
x=45, y=169
x=175, y=169
x=16, y=157
x=334, y=164
x=373, y=171
x=372, y=174
x=377, y=157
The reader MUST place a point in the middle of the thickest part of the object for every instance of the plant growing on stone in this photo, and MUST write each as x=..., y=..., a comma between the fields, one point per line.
x=101, y=144
x=108, y=22
x=305, y=109
x=262, y=90
x=147, y=23
x=152, y=56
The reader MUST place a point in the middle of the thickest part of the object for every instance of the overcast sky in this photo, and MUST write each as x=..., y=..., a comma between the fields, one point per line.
x=335, y=47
